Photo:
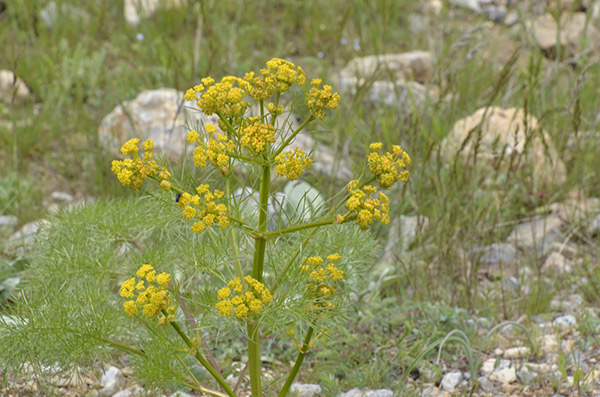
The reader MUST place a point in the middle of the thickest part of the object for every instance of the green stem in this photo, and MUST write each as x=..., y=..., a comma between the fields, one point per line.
x=291, y=137
x=297, y=228
x=260, y=241
x=258, y=263
x=202, y=359
x=254, y=362
x=301, y=354
x=197, y=386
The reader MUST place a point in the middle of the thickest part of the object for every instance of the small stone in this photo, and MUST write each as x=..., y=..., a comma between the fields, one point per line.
x=12, y=88
x=8, y=221
x=356, y=392
x=180, y=393
x=498, y=352
x=594, y=227
x=112, y=381
x=538, y=234
x=451, y=380
x=472, y=5
x=557, y=265
x=432, y=391
x=495, y=13
x=51, y=13
x=485, y=384
x=565, y=322
x=550, y=344
x=305, y=390
x=61, y=196
x=135, y=10
x=517, y=352
x=526, y=376
x=511, y=18
x=504, y=372
x=570, y=33
x=493, y=254
x=563, y=306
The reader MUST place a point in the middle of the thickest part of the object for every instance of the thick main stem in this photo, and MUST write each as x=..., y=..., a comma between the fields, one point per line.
x=254, y=364
x=301, y=354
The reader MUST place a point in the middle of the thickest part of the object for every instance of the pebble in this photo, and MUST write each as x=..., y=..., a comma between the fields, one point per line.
x=502, y=373
x=550, y=344
x=305, y=390
x=356, y=392
x=493, y=254
x=112, y=381
x=485, y=384
x=517, y=352
x=451, y=380
x=566, y=322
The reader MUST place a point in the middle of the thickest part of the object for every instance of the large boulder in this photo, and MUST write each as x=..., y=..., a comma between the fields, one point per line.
x=503, y=137
x=572, y=34
x=391, y=79
x=160, y=115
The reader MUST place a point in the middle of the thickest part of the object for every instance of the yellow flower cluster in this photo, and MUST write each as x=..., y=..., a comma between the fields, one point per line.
x=131, y=172
x=278, y=76
x=323, y=276
x=225, y=97
x=292, y=164
x=243, y=298
x=366, y=207
x=389, y=167
x=150, y=291
x=256, y=135
x=208, y=212
x=215, y=152
x=320, y=98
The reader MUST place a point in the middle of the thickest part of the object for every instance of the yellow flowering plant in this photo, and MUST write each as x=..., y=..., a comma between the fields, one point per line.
x=251, y=291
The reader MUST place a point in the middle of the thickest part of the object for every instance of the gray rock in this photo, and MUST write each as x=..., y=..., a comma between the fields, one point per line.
x=472, y=5
x=12, y=88
x=451, y=380
x=61, y=197
x=180, y=393
x=305, y=390
x=432, y=391
x=510, y=283
x=414, y=65
x=526, y=376
x=557, y=265
x=550, y=344
x=517, y=352
x=595, y=226
x=485, y=384
x=135, y=10
x=8, y=221
x=511, y=18
x=159, y=115
x=112, y=381
x=538, y=234
x=572, y=32
x=392, y=79
x=493, y=254
x=568, y=321
x=495, y=13
x=504, y=372
x=52, y=12
x=403, y=232
x=356, y=392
